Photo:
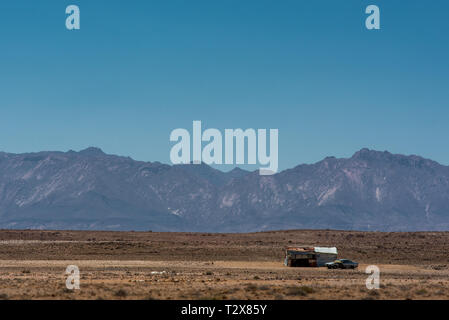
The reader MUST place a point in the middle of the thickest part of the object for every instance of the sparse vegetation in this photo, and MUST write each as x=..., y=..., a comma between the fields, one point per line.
x=421, y=292
x=121, y=293
x=301, y=291
x=235, y=266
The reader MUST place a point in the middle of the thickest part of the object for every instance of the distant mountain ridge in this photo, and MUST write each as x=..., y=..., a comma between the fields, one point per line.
x=89, y=189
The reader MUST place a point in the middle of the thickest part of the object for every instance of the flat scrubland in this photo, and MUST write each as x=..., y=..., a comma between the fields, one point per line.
x=153, y=265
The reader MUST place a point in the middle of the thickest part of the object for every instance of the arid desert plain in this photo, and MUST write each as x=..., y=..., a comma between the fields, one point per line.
x=153, y=265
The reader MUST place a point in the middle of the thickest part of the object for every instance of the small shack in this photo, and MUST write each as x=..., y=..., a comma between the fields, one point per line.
x=308, y=256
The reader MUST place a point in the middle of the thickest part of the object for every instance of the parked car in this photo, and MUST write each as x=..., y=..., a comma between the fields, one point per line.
x=342, y=264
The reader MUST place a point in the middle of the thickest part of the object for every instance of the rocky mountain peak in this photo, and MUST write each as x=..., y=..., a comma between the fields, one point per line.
x=92, y=152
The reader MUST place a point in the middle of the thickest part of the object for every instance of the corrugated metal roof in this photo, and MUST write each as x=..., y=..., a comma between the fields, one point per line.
x=300, y=248
x=332, y=250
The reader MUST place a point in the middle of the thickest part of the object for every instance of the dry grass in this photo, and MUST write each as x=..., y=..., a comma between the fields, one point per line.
x=150, y=265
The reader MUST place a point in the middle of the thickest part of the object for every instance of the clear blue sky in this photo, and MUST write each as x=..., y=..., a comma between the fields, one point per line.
x=139, y=69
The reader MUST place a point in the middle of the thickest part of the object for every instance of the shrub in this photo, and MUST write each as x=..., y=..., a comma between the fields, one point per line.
x=421, y=292
x=251, y=287
x=121, y=293
x=299, y=291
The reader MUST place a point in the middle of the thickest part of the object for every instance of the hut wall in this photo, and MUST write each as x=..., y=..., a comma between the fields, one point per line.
x=323, y=258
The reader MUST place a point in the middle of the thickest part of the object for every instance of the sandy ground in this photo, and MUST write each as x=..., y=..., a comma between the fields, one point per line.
x=132, y=265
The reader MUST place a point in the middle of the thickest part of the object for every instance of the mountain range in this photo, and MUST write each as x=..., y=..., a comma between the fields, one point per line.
x=89, y=189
